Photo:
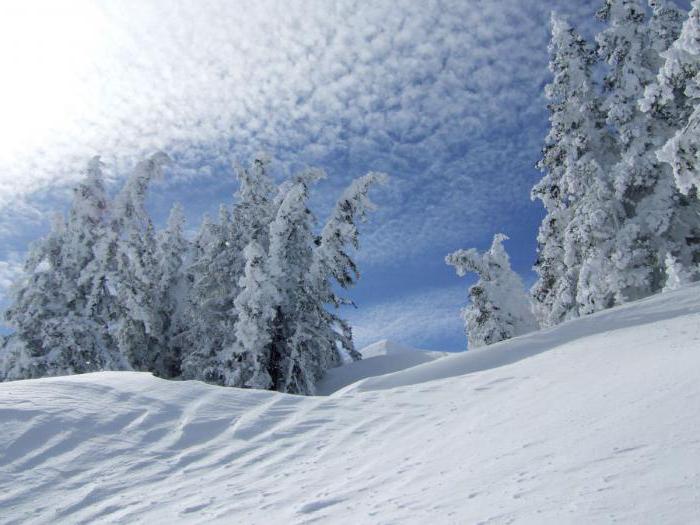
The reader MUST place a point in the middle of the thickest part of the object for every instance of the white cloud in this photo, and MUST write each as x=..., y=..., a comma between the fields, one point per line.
x=424, y=319
x=440, y=94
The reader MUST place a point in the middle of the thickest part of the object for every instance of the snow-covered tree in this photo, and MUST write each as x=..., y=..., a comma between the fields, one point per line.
x=286, y=337
x=676, y=93
x=248, y=361
x=499, y=307
x=293, y=363
x=575, y=148
x=217, y=267
x=56, y=332
x=333, y=265
x=138, y=330
x=172, y=254
x=657, y=220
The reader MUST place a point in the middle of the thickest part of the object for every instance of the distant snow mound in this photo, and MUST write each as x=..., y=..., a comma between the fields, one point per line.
x=386, y=347
x=382, y=357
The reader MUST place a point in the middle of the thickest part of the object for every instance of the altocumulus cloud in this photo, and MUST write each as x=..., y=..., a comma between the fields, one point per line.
x=445, y=96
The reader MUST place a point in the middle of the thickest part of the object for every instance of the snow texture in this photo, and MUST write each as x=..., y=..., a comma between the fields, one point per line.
x=592, y=421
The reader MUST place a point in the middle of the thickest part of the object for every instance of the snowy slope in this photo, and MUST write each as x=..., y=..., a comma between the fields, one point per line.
x=595, y=421
x=380, y=358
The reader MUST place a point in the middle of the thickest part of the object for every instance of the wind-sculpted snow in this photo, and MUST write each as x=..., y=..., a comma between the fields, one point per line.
x=592, y=422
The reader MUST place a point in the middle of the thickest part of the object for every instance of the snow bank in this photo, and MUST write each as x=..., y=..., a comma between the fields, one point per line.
x=380, y=358
x=591, y=422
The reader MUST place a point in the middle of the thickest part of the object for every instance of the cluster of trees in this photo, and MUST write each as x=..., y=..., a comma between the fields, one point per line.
x=621, y=169
x=250, y=301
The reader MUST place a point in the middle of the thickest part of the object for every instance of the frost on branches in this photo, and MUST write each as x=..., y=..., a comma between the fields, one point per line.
x=499, y=307
x=676, y=93
x=615, y=213
x=249, y=302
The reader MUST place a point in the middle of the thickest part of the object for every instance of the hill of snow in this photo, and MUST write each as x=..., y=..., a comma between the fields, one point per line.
x=594, y=421
x=380, y=358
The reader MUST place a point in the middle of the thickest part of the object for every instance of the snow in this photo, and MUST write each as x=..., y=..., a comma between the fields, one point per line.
x=593, y=421
x=380, y=358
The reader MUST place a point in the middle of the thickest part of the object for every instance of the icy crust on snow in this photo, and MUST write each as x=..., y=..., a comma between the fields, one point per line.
x=591, y=422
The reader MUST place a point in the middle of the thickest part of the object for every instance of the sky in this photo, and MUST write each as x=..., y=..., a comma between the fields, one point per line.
x=446, y=97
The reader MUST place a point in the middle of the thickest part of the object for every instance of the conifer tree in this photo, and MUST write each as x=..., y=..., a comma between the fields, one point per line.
x=656, y=221
x=499, y=307
x=575, y=148
x=55, y=332
x=217, y=268
x=172, y=255
x=138, y=328
x=675, y=93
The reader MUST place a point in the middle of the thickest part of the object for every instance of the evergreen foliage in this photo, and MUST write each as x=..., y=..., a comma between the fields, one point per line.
x=249, y=302
x=499, y=307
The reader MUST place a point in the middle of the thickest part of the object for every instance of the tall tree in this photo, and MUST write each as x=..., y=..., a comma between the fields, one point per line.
x=172, y=253
x=656, y=218
x=576, y=147
x=138, y=329
x=248, y=360
x=676, y=93
x=218, y=266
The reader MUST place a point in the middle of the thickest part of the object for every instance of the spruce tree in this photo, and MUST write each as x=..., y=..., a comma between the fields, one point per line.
x=56, y=332
x=499, y=307
x=657, y=220
x=676, y=92
x=172, y=253
x=217, y=268
x=576, y=147
x=138, y=329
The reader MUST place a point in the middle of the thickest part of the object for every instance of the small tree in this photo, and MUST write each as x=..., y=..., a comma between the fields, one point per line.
x=499, y=307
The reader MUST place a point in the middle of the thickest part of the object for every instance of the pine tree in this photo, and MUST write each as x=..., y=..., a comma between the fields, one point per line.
x=217, y=268
x=676, y=92
x=333, y=264
x=248, y=361
x=499, y=306
x=575, y=148
x=138, y=329
x=172, y=287
x=657, y=220
x=293, y=363
x=55, y=331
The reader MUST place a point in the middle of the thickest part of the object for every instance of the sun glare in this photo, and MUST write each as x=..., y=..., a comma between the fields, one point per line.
x=47, y=50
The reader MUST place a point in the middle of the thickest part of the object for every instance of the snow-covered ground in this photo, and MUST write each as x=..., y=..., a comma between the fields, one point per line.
x=595, y=421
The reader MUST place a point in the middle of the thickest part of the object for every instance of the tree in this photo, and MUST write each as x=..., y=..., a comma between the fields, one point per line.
x=52, y=310
x=248, y=360
x=333, y=265
x=575, y=148
x=218, y=266
x=499, y=306
x=657, y=220
x=676, y=92
x=172, y=252
x=138, y=329
x=286, y=338
x=293, y=361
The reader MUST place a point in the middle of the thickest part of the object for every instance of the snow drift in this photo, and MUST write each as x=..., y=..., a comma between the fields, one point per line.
x=593, y=421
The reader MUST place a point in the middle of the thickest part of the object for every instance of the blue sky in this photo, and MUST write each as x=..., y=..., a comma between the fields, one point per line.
x=446, y=97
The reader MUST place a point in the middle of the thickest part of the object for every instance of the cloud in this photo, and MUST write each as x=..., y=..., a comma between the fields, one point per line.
x=439, y=94
x=428, y=319
x=445, y=96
